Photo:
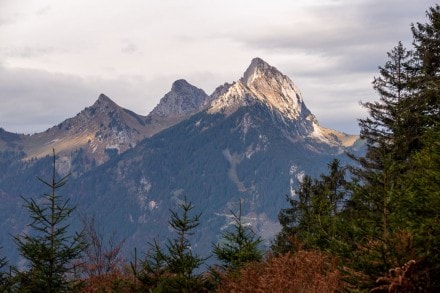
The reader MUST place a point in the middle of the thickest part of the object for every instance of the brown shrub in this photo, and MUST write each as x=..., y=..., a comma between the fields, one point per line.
x=304, y=271
x=115, y=282
x=401, y=279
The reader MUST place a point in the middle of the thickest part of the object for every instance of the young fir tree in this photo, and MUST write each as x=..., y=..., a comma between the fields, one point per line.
x=313, y=215
x=180, y=258
x=49, y=247
x=239, y=246
x=173, y=270
x=153, y=268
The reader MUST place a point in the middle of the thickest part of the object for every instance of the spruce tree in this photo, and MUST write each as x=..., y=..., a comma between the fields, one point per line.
x=312, y=218
x=180, y=258
x=172, y=269
x=239, y=246
x=153, y=269
x=390, y=142
x=386, y=120
x=297, y=218
x=419, y=211
x=427, y=67
x=385, y=198
x=49, y=248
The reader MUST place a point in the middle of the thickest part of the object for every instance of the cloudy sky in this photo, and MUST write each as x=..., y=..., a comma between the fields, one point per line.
x=56, y=57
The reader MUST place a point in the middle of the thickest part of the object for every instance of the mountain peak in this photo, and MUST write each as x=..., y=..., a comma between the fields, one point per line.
x=181, y=85
x=103, y=97
x=259, y=63
x=104, y=102
x=258, y=67
x=265, y=84
x=183, y=99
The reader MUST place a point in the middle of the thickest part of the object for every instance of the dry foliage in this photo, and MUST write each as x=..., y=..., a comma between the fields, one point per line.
x=115, y=282
x=400, y=279
x=304, y=271
x=101, y=259
x=103, y=268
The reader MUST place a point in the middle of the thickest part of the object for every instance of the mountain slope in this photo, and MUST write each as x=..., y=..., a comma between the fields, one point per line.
x=250, y=141
x=99, y=130
x=252, y=144
x=215, y=163
x=10, y=141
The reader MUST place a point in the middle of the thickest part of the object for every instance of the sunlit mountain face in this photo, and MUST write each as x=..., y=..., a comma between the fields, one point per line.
x=251, y=141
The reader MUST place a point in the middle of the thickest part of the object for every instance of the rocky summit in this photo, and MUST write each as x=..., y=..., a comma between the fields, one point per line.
x=249, y=142
x=183, y=99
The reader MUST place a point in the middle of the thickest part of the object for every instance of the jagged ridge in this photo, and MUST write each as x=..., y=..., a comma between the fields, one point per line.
x=96, y=129
x=263, y=83
x=105, y=125
x=254, y=154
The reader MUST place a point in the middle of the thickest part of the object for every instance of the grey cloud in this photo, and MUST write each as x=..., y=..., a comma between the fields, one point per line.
x=335, y=103
x=394, y=13
x=349, y=25
x=356, y=35
x=325, y=54
x=35, y=100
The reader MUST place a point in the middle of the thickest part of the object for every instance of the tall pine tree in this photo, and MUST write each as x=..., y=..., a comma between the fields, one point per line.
x=427, y=66
x=239, y=246
x=173, y=269
x=49, y=248
x=385, y=198
x=313, y=215
x=387, y=136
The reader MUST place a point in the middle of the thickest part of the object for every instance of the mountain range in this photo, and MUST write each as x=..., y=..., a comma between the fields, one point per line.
x=249, y=142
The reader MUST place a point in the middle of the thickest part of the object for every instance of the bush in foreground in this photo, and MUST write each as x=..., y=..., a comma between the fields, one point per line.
x=304, y=271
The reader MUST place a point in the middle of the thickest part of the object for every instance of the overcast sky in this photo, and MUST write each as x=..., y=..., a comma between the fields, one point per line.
x=56, y=57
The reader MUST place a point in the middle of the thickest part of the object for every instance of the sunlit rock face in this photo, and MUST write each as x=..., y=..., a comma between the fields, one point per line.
x=247, y=144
